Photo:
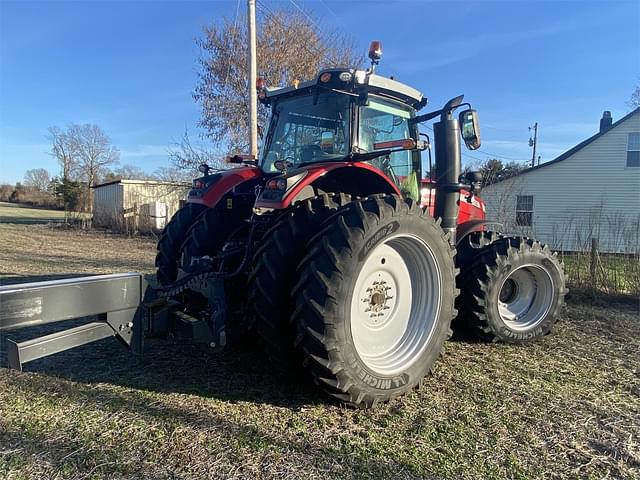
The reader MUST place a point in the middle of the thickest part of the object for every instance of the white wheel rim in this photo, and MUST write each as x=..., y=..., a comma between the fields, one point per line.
x=525, y=297
x=395, y=304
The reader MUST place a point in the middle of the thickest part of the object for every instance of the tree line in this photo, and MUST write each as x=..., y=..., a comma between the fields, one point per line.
x=86, y=156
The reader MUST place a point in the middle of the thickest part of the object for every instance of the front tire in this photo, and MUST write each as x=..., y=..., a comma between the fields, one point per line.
x=512, y=290
x=208, y=234
x=375, y=300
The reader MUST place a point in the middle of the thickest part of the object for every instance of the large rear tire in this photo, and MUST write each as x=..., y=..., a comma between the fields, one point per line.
x=209, y=232
x=273, y=275
x=375, y=300
x=169, y=245
x=512, y=289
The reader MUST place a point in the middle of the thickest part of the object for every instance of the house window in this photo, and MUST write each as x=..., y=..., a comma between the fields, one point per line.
x=524, y=210
x=633, y=149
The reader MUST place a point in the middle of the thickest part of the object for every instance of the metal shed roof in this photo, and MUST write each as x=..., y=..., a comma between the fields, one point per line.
x=140, y=182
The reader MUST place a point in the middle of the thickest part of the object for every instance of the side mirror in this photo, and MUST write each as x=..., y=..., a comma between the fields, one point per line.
x=327, y=142
x=204, y=168
x=470, y=127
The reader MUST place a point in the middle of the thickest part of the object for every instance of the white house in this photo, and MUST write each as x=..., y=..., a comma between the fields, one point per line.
x=136, y=204
x=590, y=191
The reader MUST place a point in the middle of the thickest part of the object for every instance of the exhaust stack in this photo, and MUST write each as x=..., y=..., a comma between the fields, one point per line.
x=448, y=167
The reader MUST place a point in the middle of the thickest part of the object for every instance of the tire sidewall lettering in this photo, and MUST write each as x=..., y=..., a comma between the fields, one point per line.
x=376, y=238
x=379, y=382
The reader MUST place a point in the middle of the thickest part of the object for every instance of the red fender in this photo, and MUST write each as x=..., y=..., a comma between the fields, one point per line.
x=314, y=172
x=471, y=208
x=229, y=180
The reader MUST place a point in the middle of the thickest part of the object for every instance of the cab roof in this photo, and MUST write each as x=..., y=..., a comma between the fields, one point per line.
x=361, y=81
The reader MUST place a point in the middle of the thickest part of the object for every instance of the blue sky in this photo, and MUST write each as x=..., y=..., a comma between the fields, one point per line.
x=130, y=67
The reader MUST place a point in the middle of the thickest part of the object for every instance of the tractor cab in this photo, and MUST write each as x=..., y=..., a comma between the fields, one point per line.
x=345, y=115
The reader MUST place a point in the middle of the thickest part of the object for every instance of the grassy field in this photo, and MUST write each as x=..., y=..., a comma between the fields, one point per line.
x=14, y=213
x=566, y=407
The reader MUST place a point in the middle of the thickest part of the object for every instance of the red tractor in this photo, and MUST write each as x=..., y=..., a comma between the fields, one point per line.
x=340, y=256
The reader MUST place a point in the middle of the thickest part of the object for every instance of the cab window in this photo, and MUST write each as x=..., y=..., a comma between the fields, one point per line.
x=381, y=125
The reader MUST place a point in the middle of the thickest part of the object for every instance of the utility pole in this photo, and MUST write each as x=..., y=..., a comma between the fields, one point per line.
x=533, y=142
x=253, y=76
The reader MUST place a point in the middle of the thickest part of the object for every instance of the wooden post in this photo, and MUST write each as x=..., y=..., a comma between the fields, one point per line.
x=253, y=75
x=593, y=263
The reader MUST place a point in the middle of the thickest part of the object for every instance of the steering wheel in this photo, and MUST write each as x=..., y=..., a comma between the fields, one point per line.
x=387, y=168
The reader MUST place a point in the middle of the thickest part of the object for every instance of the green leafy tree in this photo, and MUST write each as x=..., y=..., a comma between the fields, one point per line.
x=69, y=192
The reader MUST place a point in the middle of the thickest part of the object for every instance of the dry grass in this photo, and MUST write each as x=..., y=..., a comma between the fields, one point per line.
x=32, y=250
x=566, y=407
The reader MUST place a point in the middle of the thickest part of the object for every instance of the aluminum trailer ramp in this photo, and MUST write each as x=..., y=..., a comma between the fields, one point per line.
x=118, y=300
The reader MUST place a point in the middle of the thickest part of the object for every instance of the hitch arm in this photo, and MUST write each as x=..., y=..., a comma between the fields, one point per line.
x=117, y=300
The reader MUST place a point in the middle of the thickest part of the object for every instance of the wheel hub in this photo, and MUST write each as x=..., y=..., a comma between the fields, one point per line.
x=395, y=303
x=525, y=297
x=377, y=298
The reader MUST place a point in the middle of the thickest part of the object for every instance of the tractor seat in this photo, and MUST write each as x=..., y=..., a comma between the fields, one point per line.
x=308, y=153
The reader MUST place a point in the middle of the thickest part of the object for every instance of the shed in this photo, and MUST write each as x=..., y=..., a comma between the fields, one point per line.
x=590, y=191
x=131, y=205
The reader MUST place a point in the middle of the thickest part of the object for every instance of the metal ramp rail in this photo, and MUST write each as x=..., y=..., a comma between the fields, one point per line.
x=117, y=299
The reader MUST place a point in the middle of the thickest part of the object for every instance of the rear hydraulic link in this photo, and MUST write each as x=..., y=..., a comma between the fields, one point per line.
x=198, y=278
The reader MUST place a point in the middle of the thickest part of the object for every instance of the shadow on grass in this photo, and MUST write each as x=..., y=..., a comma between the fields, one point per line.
x=103, y=263
x=235, y=436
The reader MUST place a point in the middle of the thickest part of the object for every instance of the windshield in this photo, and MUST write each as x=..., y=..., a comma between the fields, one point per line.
x=304, y=131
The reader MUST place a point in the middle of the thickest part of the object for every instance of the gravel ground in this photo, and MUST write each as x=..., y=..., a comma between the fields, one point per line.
x=566, y=407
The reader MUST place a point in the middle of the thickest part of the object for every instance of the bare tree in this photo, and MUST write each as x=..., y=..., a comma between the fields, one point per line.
x=131, y=172
x=493, y=170
x=37, y=178
x=174, y=175
x=84, y=152
x=290, y=47
x=95, y=152
x=184, y=155
x=63, y=149
x=634, y=100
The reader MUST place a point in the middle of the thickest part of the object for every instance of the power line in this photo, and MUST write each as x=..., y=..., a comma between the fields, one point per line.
x=305, y=14
x=271, y=16
x=329, y=9
x=502, y=156
x=268, y=13
x=235, y=31
x=497, y=157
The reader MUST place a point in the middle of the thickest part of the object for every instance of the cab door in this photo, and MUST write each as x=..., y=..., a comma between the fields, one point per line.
x=384, y=124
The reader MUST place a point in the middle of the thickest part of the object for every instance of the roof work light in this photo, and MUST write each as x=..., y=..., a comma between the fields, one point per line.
x=375, y=51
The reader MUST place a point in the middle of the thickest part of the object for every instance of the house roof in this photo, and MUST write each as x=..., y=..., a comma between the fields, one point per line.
x=582, y=144
x=140, y=182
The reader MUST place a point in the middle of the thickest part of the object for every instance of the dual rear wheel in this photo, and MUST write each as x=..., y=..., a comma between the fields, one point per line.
x=369, y=301
x=512, y=287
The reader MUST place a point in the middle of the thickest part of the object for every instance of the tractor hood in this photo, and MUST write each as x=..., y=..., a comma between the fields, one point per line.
x=208, y=190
